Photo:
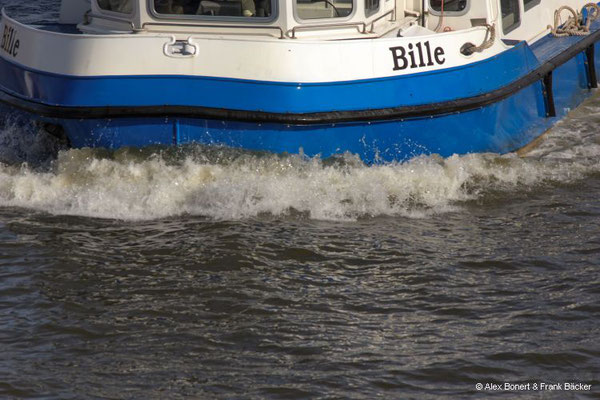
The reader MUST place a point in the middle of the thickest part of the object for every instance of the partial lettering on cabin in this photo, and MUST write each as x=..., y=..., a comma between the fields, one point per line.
x=417, y=55
x=10, y=41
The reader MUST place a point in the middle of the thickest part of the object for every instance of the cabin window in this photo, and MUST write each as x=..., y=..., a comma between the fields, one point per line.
x=529, y=4
x=371, y=7
x=315, y=9
x=511, y=15
x=451, y=6
x=214, y=8
x=120, y=6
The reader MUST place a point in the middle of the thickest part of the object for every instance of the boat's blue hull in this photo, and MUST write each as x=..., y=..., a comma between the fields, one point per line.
x=500, y=127
x=497, y=126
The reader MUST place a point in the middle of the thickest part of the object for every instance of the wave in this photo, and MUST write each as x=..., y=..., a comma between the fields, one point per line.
x=227, y=184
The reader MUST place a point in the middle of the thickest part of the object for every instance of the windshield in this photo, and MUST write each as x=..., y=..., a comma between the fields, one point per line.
x=315, y=9
x=120, y=6
x=448, y=5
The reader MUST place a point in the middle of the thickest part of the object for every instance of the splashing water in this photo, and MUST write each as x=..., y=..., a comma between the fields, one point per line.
x=26, y=142
x=225, y=184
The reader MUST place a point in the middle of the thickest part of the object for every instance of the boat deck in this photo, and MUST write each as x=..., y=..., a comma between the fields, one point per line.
x=549, y=46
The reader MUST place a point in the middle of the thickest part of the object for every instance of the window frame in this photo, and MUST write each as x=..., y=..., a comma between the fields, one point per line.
x=325, y=21
x=436, y=13
x=206, y=18
x=507, y=30
x=531, y=4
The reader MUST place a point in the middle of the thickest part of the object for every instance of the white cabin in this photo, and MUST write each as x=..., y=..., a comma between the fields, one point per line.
x=312, y=19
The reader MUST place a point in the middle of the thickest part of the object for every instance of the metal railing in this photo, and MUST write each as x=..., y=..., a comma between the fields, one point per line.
x=392, y=12
x=360, y=26
x=200, y=25
x=357, y=25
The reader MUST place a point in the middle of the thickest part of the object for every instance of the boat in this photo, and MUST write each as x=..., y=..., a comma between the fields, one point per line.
x=386, y=80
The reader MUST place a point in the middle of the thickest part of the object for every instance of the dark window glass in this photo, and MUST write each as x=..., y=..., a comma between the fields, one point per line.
x=120, y=6
x=371, y=6
x=314, y=9
x=530, y=4
x=449, y=5
x=215, y=8
x=511, y=15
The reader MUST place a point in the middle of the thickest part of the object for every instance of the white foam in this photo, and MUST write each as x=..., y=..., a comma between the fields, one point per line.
x=228, y=184
x=82, y=183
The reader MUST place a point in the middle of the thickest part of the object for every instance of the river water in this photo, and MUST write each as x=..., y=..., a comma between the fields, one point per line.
x=219, y=274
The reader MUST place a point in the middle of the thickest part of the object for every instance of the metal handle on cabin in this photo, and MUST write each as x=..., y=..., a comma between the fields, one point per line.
x=180, y=49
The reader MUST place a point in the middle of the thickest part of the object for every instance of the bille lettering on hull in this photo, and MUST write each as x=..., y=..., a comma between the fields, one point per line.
x=417, y=56
x=10, y=43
